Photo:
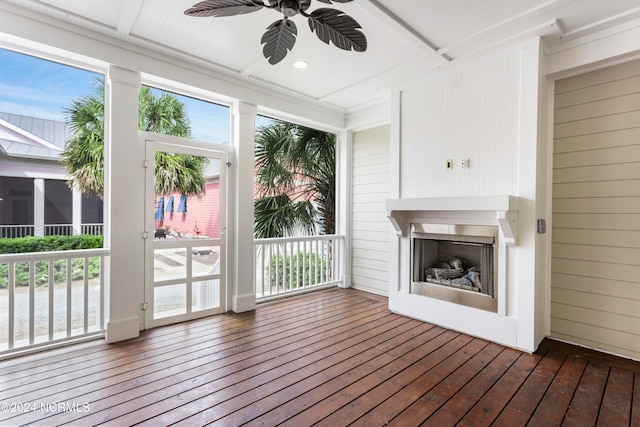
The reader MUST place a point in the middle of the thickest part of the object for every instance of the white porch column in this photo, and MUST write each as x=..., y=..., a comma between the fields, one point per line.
x=240, y=241
x=124, y=202
x=76, y=215
x=38, y=207
x=343, y=203
x=395, y=192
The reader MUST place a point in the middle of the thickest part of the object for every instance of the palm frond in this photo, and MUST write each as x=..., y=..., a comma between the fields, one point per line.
x=299, y=163
x=83, y=156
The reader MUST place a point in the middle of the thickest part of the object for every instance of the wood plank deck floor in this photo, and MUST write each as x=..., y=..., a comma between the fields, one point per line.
x=329, y=358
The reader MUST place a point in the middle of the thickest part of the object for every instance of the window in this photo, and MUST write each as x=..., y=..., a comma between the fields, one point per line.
x=295, y=180
x=36, y=100
x=193, y=118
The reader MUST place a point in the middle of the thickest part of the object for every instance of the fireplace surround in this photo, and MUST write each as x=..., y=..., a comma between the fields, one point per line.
x=491, y=312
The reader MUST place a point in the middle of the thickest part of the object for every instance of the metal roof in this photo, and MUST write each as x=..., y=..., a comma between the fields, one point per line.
x=35, y=132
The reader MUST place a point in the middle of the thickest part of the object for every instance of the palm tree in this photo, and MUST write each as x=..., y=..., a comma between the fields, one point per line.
x=295, y=177
x=83, y=156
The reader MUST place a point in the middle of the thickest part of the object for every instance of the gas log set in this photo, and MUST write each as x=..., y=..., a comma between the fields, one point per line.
x=453, y=273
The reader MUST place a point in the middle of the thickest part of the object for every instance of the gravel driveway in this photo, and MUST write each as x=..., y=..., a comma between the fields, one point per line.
x=41, y=312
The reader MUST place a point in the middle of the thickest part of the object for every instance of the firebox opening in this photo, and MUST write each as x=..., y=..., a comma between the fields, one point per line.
x=455, y=263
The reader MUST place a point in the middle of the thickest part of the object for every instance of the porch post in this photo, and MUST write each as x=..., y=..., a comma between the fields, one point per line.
x=240, y=241
x=76, y=215
x=395, y=192
x=343, y=204
x=38, y=207
x=124, y=206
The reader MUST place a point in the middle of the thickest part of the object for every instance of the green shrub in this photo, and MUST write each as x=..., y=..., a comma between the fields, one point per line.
x=27, y=244
x=298, y=271
x=49, y=244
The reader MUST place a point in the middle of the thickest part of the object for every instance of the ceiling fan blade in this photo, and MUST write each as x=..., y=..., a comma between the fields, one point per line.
x=279, y=40
x=333, y=25
x=224, y=7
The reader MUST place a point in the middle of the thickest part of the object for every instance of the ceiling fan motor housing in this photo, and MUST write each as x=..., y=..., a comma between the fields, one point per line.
x=289, y=7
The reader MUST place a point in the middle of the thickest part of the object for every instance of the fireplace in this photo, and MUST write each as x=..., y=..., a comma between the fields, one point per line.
x=509, y=309
x=455, y=263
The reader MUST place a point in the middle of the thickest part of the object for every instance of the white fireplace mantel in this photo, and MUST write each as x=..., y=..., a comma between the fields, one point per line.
x=465, y=210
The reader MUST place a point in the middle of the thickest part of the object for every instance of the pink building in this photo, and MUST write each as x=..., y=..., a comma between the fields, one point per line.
x=191, y=215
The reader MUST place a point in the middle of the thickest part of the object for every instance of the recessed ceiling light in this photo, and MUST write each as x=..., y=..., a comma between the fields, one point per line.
x=301, y=64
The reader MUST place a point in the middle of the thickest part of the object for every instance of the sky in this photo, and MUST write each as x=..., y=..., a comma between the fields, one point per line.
x=38, y=88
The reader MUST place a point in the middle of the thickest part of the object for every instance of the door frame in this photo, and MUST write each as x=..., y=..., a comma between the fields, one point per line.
x=153, y=143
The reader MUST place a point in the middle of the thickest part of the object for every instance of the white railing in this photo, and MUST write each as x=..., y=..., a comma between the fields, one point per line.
x=50, y=297
x=93, y=229
x=58, y=229
x=14, y=231
x=290, y=265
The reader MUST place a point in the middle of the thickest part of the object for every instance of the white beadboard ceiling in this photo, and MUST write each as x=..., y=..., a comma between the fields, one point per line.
x=406, y=39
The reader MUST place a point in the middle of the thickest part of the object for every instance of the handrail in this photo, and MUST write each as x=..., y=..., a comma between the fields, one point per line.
x=78, y=253
x=300, y=238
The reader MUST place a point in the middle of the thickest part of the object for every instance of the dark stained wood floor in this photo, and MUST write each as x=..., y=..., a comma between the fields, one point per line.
x=328, y=358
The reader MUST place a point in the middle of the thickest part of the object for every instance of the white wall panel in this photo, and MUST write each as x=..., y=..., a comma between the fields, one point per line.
x=469, y=113
x=369, y=224
x=491, y=111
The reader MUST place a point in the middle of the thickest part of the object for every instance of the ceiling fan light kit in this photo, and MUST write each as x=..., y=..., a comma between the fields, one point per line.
x=329, y=25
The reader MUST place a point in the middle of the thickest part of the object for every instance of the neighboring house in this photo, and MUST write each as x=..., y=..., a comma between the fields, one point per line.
x=191, y=215
x=35, y=197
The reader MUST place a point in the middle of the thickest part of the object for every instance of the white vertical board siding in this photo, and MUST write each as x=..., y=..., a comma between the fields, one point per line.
x=595, y=287
x=491, y=111
x=470, y=113
x=369, y=223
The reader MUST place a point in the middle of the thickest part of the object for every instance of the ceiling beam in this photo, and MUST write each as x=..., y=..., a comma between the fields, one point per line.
x=383, y=14
x=128, y=15
x=520, y=20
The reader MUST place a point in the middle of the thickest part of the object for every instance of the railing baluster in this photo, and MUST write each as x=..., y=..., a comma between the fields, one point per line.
x=100, y=307
x=304, y=265
x=265, y=269
x=12, y=299
x=315, y=264
x=299, y=284
x=323, y=264
x=32, y=298
x=51, y=283
x=289, y=247
x=329, y=259
x=332, y=260
x=86, y=295
x=321, y=243
x=257, y=256
x=69, y=290
x=277, y=261
x=283, y=260
x=272, y=276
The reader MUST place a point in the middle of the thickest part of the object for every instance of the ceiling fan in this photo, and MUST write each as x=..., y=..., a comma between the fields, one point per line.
x=330, y=25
